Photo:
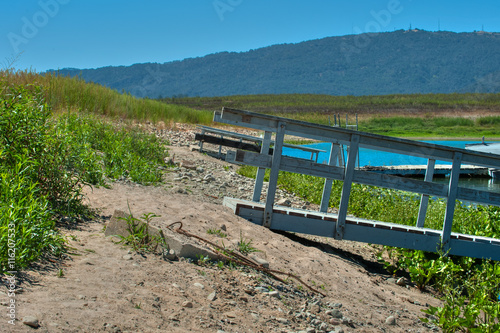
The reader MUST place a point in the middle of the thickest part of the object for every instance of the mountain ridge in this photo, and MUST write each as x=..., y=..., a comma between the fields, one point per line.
x=398, y=62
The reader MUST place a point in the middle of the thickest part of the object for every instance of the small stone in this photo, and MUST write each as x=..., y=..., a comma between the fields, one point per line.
x=283, y=321
x=323, y=326
x=230, y=314
x=315, y=308
x=274, y=294
x=336, y=314
x=391, y=320
x=391, y=280
x=170, y=255
x=244, y=298
x=187, y=304
x=31, y=321
x=199, y=285
x=338, y=330
x=401, y=282
x=284, y=202
x=261, y=289
x=223, y=227
x=81, y=296
x=212, y=297
x=200, y=169
x=127, y=257
x=335, y=321
x=264, y=263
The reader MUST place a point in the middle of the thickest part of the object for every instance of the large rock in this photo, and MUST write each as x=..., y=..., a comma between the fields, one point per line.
x=181, y=245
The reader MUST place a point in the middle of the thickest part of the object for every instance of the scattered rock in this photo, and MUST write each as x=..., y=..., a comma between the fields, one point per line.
x=223, y=227
x=230, y=314
x=31, y=321
x=187, y=304
x=284, y=202
x=274, y=294
x=127, y=257
x=212, y=297
x=335, y=321
x=401, y=282
x=188, y=165
x=336, y=314
x=199, y=285
x=391, y=320
x=170, y=255
x=260, y=261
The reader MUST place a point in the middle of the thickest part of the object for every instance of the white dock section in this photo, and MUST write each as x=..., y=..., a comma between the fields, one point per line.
x=420, y=170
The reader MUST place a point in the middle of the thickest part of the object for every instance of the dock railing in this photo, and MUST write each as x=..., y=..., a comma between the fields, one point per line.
x=340, y=226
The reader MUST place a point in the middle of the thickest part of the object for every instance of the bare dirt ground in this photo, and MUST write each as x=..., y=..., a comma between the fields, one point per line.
x=106, y=287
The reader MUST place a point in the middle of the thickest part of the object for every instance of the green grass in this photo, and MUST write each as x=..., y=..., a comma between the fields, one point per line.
x=327, y=104
x=377, y=114
x=46, y=160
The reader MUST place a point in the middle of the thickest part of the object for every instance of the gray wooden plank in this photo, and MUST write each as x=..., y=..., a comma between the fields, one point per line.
x=424, y=199
x=273, y=177
x=327, y=187
x=346, y=186
x=451, y=202
x=259, y=178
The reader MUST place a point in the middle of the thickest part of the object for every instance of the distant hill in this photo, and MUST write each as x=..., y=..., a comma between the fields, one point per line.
x=399, y=62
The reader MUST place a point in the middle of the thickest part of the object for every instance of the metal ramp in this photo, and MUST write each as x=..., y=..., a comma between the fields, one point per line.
x=341, y=226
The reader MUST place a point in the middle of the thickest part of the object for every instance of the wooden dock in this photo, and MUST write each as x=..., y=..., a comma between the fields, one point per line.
x=420, y=170
x=340, y=226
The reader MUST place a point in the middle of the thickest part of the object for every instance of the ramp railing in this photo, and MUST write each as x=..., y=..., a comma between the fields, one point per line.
x=345, y=227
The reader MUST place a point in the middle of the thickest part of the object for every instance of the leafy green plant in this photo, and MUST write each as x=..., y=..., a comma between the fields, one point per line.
x=139, y=237
x=245, y=246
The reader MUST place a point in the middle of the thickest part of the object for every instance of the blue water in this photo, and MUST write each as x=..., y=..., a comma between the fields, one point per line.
x=375, y=157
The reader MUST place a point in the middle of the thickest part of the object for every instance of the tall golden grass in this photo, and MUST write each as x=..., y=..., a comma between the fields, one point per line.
x=74, y=94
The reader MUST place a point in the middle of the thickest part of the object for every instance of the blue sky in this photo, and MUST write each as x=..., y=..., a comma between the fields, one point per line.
x=52, y=34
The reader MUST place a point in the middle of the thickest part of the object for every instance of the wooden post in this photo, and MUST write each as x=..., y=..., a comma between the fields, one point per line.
x=450, y=204
x=259, y=178
x=201, y=141
x=327, y=189
x=346, y=187
x=273, y=178
x=424, y=199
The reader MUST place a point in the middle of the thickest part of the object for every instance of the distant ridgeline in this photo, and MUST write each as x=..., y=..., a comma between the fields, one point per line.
x=399, y=62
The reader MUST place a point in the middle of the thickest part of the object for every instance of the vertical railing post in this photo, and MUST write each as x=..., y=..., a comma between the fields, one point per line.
x=273, y=177
x=424, y=199
x=259, y=178
x=327, y=189
x=346, y=187
x=201, y=141
x=451, y=202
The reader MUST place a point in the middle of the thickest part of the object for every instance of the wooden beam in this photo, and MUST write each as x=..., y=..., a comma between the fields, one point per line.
x=424, y=199
x=451, y=202
x=259, y=178
x=273, y=178
x=346, y=187
x=327, y=188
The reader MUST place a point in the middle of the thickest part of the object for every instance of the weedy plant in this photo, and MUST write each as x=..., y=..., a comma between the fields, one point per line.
x=218, y=232
x=245, y=246
x=139, y=236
